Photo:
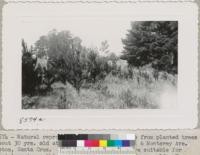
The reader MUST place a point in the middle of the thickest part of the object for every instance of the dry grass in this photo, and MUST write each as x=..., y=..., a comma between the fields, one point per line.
x=111, y=93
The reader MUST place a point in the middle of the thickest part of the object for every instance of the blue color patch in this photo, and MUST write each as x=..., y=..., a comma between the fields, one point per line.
x=118, y=143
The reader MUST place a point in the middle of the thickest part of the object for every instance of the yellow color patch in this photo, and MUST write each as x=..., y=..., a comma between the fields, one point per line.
x=103, y=143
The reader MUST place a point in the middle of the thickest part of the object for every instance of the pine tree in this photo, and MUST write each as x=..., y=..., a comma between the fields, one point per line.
x=152, y=42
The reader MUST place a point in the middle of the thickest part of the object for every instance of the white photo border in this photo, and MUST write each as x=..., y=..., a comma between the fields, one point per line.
x=185, y=116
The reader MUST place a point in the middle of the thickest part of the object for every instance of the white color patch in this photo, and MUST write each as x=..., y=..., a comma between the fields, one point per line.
x=80, y=143
x=130, y=136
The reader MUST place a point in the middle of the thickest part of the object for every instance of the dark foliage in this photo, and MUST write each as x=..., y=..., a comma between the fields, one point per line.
x=152, y=42
x=67, y=61
x=29, y=77
x=60, y=56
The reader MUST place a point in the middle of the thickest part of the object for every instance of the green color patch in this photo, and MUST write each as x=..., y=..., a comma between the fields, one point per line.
x=111, y=143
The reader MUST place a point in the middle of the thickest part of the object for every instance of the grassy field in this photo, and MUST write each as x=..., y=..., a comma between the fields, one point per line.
x=112, y=93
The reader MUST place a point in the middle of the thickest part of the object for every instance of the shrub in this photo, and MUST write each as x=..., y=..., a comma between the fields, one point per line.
x=127, y=98
x=29, y=102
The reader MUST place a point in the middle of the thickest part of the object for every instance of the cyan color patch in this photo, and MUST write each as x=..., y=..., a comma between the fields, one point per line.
x=118, y=143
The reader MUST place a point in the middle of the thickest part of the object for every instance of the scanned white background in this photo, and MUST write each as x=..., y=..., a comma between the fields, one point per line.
x=192, y=150
x=182, y=116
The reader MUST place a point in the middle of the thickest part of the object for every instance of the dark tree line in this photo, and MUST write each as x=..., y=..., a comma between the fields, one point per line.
x=60, y=56
x=152, y=42
x=29, y=76
x=67, y=61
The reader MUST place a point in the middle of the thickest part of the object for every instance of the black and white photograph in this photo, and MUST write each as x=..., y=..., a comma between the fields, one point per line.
x=85, y=67
x=82, y=64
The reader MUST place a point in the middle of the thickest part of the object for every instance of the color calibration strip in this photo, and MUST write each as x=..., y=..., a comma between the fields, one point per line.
x=96, y=140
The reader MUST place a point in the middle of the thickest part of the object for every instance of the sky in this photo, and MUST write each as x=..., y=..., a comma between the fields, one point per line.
x=91, y=31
